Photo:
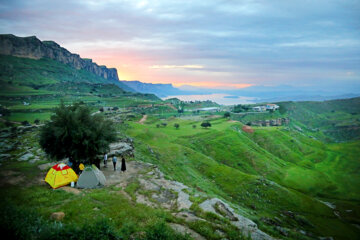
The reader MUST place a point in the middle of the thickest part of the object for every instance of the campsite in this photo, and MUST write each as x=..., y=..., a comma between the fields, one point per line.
x=179, y=120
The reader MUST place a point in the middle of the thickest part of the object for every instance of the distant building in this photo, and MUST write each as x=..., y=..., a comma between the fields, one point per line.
x=259, y=109
x=210, y=109
x=271, y=106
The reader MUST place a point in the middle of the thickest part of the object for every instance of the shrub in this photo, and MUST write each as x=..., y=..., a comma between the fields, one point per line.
x=36, y=121
x=205, y=124
x=25, y=123
x=160, y=231
x=157, y=125
x=8, y=123
x=164, y=124
x=226, y=115
x=193, y=126
x=176, y=125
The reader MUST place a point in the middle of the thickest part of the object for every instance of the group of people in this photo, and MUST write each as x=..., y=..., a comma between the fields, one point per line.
x=114, y=160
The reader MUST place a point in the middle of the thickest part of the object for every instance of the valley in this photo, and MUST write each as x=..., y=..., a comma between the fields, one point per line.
x=295, y=180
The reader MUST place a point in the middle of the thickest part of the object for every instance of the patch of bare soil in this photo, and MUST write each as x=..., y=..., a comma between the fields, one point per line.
x=143, y=119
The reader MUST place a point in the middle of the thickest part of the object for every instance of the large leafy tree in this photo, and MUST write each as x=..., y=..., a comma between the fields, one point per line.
x=76, y=134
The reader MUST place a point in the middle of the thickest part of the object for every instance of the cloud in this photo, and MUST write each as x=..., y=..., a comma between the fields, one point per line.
x=239, y=42
x=176, y=67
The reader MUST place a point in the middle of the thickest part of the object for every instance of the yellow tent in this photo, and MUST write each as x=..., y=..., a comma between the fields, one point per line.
x=60, y=175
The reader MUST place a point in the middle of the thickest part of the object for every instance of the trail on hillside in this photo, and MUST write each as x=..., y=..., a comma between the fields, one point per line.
x=143, y=119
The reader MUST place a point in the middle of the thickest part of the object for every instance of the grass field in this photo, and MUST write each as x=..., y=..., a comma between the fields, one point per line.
x=227, y=162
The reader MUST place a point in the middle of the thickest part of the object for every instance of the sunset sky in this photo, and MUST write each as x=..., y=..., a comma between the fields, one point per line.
x=216, y=44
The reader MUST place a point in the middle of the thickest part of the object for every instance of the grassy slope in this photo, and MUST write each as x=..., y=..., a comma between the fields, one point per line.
x=45, y=82
x=226, y=162
x=337, y=119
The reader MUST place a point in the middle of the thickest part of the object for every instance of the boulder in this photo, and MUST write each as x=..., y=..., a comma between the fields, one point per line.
x=244, y=224
x=120, y=148
x=26, y=157
x=57, y=216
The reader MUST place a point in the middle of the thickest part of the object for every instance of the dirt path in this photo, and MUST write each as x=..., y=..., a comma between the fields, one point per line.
x=143, y=119
x=113, y=177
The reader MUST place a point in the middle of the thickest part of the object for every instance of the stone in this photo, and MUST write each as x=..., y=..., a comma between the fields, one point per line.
x=223, y=210
x=120, y=148
x=244, y=224
x=57, y=216
x=185, y=230
x=282, y=231
x=26, y=157
x=4, y=156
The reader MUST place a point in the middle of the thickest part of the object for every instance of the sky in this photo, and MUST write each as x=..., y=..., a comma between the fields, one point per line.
x=229, y=44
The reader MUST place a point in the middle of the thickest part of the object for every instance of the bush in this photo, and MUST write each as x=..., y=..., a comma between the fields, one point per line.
x=36, y=121
x=25, y=123
x=205, y=124
x=160, y=231
x=157, y=125
x=193, y=126
x=8, y=123
x=164, y=124
x=176, y=125
x=226, y=115
x=4, y=111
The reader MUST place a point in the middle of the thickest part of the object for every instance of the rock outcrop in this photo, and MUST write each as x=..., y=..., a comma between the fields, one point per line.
x=247, y=226
x=32, y=47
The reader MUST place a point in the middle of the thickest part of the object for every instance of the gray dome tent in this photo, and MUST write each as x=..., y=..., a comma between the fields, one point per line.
x=91, y=177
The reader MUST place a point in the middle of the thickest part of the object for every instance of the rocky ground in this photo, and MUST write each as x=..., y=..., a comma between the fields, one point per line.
x=154, y=190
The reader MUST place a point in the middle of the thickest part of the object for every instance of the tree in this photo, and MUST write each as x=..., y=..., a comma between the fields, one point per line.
x=205, y=124
x=36, y=121
x=176, y=125
x=25, y=123
x=226, y=115
x=76, y=134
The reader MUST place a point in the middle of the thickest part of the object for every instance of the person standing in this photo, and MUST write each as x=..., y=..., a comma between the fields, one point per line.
x=81, y=167
x=114, y=160
x=105, y=160
x=123, y=165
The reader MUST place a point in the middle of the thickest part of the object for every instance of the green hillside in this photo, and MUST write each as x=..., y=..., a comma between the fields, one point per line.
x=44, y=83
x=335, y=120
x=227, y=162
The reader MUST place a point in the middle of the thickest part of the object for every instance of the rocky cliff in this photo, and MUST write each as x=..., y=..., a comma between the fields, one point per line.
x=32, y=47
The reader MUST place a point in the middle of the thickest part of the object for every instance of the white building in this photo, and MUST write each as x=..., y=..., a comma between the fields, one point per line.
x=271, y=106
x=259, y=109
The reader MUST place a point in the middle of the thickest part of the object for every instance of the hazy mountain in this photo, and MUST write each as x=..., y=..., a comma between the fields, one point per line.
x=161, y=90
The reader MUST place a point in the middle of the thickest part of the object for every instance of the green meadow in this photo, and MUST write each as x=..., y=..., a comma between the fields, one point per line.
x=226, y=162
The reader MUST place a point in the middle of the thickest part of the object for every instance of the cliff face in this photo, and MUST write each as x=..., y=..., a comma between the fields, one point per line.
x=32, y=47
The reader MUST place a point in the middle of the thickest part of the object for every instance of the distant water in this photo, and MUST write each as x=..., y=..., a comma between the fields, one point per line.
x=224, y=99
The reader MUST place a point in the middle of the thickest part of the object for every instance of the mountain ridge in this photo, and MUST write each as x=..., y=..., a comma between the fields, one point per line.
x=33, y=48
